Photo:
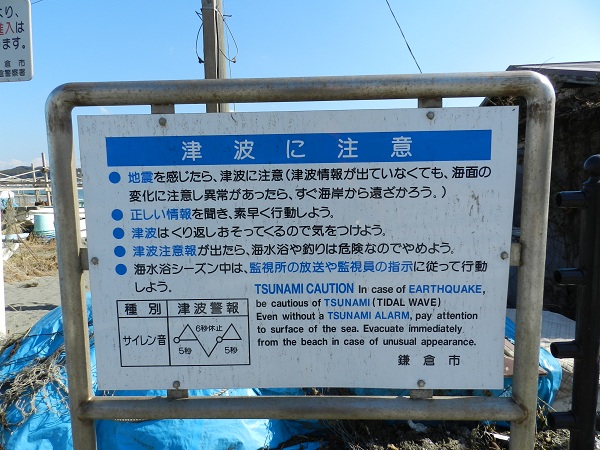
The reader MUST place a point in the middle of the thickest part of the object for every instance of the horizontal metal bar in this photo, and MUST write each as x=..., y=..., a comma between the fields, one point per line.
x=570, y=276
x=375, y=87
x=298, y=407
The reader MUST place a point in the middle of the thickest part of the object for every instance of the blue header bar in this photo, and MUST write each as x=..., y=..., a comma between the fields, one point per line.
x=309, y=148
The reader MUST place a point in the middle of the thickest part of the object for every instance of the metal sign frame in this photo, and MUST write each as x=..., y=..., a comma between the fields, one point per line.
x=520, y=409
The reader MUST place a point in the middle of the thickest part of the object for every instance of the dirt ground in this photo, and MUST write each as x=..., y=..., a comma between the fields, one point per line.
x=378, y=435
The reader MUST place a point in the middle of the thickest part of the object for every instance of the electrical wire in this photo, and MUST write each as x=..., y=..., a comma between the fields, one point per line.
x=237, y=50
x=402, y=32
x=228, y=60
x=200, y=60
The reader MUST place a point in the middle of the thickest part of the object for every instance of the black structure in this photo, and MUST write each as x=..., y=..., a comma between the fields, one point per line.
x=581, y=420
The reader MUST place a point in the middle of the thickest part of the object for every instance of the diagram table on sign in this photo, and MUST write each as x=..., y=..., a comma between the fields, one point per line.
x=183, y=332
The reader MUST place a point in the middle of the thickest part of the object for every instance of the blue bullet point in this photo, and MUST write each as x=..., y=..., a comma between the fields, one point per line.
x=114, y=177
x=117, y=214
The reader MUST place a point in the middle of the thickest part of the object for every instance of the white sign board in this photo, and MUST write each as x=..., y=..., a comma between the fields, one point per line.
x=16, y=60
x=295, y=249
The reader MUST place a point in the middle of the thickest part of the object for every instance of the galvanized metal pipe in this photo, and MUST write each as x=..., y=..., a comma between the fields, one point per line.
x=68, y=242
x=530, y=288
x=534, y=87
x=375, y=87
x=300, y=407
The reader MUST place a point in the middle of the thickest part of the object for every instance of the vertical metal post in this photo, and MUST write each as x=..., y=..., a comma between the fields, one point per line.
x=169, y=109
x=214, y=47
x=162, y=109
x=37, y=192
x=221, y=48
x=2, y=299
x=428, y=102
x=46, y=180
x=530, y=288
x=70, y=270
x=581, y=420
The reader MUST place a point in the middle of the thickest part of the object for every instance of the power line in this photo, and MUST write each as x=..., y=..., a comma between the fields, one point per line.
x=400, y=28
x=200, y=60
x=237, y=50
x=231, y=60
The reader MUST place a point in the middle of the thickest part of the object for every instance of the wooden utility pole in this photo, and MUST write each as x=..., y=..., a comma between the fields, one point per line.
x=47, y=185
x=215, y=63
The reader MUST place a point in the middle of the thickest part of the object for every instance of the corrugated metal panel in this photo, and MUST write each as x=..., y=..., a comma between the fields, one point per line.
x=583, y=72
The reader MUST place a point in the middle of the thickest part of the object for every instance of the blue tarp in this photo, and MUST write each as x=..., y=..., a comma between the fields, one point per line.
x=548, y=384
x=50, y=426
x=40, y=420
x=5, y=201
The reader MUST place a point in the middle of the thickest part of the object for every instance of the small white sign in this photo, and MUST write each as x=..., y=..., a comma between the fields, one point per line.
x=16, y=56
x=295, y=249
